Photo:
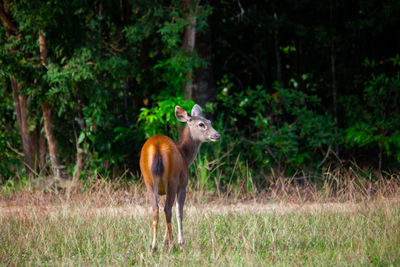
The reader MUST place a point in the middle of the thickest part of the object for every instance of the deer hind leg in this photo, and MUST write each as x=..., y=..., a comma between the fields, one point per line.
x=168, y=215
x=179, y=215
x=154, y=203
x=165, y=240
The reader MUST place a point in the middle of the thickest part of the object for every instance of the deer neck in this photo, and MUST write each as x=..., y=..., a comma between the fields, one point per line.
x=188, y=146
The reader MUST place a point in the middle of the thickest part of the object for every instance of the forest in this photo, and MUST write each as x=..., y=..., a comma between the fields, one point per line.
x=296, y=88
x=304, y=99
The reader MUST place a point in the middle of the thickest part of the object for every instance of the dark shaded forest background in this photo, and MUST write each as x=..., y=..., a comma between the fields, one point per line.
x=296, y=88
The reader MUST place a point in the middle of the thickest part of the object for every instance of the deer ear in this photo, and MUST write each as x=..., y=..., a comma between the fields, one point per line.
x=196, y=110
x=181, y=114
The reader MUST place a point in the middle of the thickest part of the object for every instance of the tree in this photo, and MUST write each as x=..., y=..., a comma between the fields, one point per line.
x=189, y=39
x=20, y=99
x=204, y=89
x=48, y=125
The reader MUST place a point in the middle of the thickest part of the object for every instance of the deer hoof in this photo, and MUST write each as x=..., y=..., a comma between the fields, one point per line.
x=182, y=245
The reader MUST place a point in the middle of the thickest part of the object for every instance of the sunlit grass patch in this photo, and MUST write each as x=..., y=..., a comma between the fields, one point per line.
x=248, y=234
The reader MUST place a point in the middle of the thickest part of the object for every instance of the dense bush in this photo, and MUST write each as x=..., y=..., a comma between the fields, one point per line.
x=285, y=129
x=375, y=117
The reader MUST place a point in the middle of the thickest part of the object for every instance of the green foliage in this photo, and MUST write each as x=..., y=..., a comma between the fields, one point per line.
x=175, y=68
x=92, y=60
x=161, y=118
x=9, y=157
x=284, y=128
x=160, y=30
x=379, y=122
x=9, y=137
x=115, y=71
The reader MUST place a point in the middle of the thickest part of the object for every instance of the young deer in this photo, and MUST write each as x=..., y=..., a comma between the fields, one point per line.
x=165, y=167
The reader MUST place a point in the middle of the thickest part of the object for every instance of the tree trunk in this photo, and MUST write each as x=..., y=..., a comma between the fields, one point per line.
x=79, y=151
x=5, y=17
x=38, y=147
x=204, y=87
x=277, y=53
x=334, y=82
x=21, y=111
x=42, y=48
x=48, y=125
x=41, y=149
x=334, y=91
x=189, y=40
x=79, y=161
x=50, y=136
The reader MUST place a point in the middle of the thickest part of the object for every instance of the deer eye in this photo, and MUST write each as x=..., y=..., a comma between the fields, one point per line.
x=201, y=125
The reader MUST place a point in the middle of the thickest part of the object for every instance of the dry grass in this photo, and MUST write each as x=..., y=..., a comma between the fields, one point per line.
x=341, y=222
x=337, y=185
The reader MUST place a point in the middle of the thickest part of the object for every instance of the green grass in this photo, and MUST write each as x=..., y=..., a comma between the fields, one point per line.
x=236, y=235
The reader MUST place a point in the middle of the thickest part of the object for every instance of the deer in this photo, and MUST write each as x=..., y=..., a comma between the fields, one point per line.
x=165, y=168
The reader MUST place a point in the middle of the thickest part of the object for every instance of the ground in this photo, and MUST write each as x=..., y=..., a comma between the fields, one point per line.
x=239, y=232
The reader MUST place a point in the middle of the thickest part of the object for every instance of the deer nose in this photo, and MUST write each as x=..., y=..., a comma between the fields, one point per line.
x=217, y=136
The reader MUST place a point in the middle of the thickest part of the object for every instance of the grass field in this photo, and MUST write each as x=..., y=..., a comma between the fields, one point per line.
x=241, y=233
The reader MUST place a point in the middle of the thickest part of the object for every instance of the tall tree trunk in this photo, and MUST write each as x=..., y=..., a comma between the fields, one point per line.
x=48, y=125
x=21, y=110
x=334, y=82
x=334, y=90
x=189, y=40
x=277, y=53
x=204, y=87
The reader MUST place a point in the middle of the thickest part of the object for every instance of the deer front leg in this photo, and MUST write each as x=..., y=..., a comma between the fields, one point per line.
x=179, y=215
